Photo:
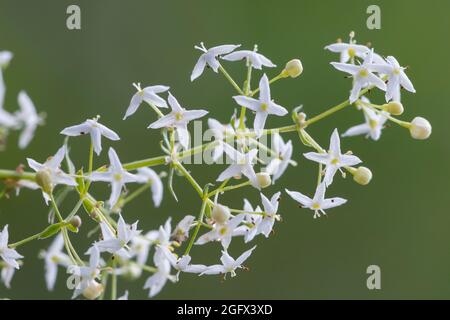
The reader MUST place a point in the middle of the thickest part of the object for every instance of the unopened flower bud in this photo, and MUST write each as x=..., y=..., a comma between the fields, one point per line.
x=44, y=180
x=76, y=221
x=293, y=68
x=395, y=108
x=220, y=213
x=362, y=175
x=263, y=179
x=420, y=128
x=93, y=290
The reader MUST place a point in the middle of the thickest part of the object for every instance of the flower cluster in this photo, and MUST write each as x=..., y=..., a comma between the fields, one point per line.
x=125, y=252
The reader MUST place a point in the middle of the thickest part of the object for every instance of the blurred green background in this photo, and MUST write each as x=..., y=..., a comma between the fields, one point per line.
x=399, y=222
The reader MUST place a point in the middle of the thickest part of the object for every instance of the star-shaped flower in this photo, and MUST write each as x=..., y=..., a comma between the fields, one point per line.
x=6, y=275
x=263, y=106
x=158, y=280
x=6, y=119
x=372, y=127
x=51, y=167
x=87, y=275
x=149, y=95
x=53, y=258
x=229, y=265
x=116, y=175
x=220, y=132
x=278, y=165
x=95, y=129
x=348, y=51
x=363, y=76
x=397, y=78
x=8, y=255
x=181, y=232
x=318, y=204
x=242, y=164
x=182, y=263
x=270, y=208
x=149, y=176
x=178, y=119
x=116, y=244
x=29, y=117
x=209, y=57
x=222, y=232
x=334, y=160
x=256, y=59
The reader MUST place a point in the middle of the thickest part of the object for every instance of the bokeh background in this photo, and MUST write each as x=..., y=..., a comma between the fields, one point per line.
x=400, y=221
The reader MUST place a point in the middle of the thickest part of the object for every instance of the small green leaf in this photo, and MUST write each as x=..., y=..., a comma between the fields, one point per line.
x=51, y=230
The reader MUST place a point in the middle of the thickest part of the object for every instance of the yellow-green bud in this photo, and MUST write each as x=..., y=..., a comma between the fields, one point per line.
x=293, y=68
x=395, y=108
x=220, y=214
x=76, y=221
x=362, y=175
x=264, y=179
x=44, y=180
x=93, y=290
x=420, y=128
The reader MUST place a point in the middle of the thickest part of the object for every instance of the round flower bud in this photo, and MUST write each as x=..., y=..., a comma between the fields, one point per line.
x=93, y=290
x=220, y=213
x=362, y=175
x=263, y=179
x=293, y=68
x=76, y=221
x=395, y=108
x=420, y=128
x=44, y=180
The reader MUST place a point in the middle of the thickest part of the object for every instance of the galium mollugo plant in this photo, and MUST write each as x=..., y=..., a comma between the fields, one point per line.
x=163, y=255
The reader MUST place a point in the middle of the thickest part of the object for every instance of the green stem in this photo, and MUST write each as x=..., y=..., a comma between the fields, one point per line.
x=114, y=282
x=199, y=221
x=136, y=193
x=24, y=241
x=225, y=189
x=230, y=79
x=274, y=79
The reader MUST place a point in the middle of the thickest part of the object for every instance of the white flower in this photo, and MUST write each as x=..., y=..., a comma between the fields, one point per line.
x=362, y=76
x=29, y=117
x=178, y=118
x=243, y=164
x=6, y=119
x=181, y=232
x=157, y=281
x=318, y=204
x=162, y=238
x=6, y=275
x=250, y=233
x=95, y=129
x=52, y=168
x=265, y=226
x=54, y=257
x=86, y=275
x=116, y=175
x=334, y=160
x=278, y=165
x=141, y=245
x=222, y=232
x=8, y=255
x=116, y=245
x=348, y=51
x=220, y=132
x=149, y=95
x=256, y=59
x=263, y=106
x=372, y=127
x=147, y=175
x=5, y=58
x=396, y=78
x=209, y=57
x=229, y=265
x=181, y=264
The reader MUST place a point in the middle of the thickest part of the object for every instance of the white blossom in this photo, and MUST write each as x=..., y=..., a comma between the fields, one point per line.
x=318, y=204
x=53, y=258
x=157, y=281
x=283, y=154
x=334, y=160
x=222, y=232
x=264, y=106
x=95, y=129
x=181, y=232
x=220, y=132
x=149, y=95
x=374, y=124
x=265, y=226
x=242, y=164
x=178, y=119
x=256, y=59
x=181, y=263
x=6, y=275
x=229, y=265
x=115, y=175
x=9, y=256
x=209, y=57
x=86, y=276
x=348, y=51
x=29, y=117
